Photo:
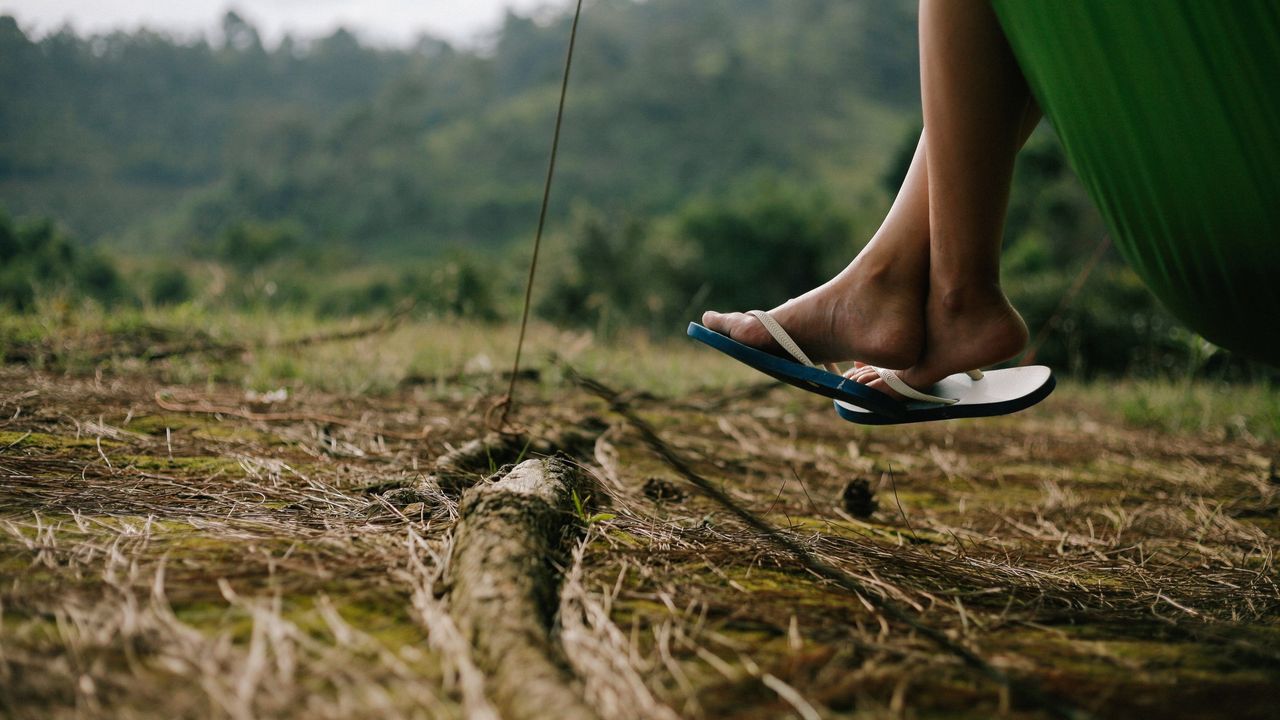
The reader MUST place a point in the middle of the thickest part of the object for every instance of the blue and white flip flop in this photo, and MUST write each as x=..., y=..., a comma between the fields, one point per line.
x=800, y=372
x=963, y=395
x=971, y=394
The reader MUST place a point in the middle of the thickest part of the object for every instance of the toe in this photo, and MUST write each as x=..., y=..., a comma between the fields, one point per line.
x=853, y=372
x=868, y=376
x=865, y=374
x=739, y=326
x=729, y=324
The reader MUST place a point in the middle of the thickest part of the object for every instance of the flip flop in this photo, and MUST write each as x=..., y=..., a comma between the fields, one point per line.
x=963, y=395
x=801, y=372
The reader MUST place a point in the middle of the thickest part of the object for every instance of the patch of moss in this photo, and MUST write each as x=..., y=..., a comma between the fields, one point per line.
x=213, y=617
x=914, y=500
x=1100, y=654
x=235, y=434
x=28, y=628
x=385, y=618
x=802, y=588
x=628, y=610
x=194, y=464
x=200, y=427
x=861, y=529
x=382, y=616
x=157, y=424
x=44, y=441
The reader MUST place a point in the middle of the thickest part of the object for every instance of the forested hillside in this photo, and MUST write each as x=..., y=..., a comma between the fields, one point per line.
x=101, y=132
x=716, y=153
x=148, y=137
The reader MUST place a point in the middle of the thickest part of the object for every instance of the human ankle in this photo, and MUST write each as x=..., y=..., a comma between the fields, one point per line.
x=876, y=272
x=960, y=299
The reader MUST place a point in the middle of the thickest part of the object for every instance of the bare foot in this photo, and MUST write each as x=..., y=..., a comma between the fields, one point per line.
x=873, y=315
x=966, y=329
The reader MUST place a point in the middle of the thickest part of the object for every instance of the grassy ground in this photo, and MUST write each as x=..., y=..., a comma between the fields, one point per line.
x=223, y=531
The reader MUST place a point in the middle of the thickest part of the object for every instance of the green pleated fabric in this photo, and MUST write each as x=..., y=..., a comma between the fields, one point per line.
x=1169, y=111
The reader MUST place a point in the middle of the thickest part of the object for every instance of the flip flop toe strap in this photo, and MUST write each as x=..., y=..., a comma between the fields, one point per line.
x=782, y=338
x=892, y=380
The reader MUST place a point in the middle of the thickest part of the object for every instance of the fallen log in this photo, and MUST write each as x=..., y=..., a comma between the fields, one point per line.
x=503, y=582
x=461, y=467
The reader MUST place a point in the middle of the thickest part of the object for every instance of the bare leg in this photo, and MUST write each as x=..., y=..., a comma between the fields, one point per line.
x=874, y=309
x=978, y=112
x=881, y=308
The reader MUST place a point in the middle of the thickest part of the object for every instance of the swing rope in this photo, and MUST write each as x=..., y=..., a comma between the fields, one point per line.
x=507, y=402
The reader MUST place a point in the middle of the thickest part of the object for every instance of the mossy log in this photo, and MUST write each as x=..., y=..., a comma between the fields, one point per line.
x=503, y=587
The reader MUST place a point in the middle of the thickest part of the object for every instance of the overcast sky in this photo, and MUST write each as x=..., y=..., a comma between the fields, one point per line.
x=383, y=21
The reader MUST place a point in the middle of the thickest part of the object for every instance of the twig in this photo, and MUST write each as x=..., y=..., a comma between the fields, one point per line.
x=385, y=325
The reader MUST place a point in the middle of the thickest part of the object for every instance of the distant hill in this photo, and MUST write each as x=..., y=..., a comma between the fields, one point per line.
x=149, y=139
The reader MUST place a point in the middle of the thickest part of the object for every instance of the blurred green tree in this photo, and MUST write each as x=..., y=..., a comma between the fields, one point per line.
x=770, y=241
x=37, y=256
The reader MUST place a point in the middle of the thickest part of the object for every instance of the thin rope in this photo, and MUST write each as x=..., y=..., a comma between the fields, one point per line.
x=507, y=401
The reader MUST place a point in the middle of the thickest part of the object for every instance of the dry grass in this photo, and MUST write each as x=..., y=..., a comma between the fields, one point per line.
x=275, y=562
x=1131, y=571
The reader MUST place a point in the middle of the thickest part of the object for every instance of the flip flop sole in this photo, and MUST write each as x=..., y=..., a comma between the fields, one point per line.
x=811, y=379
x=999, y=392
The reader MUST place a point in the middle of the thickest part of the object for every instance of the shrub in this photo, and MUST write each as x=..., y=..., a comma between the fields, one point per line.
x=98, y=278
x=768, y=242
x=169, y=286
x=38, y=256
x=250, y=244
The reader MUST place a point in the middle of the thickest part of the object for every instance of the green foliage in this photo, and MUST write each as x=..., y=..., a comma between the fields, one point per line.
x=160, y=139
x=106, y=132
x=100, y=279
x=768, y=242
x=16, y=291
x=459, y=284
x=612, y=273
x=584, y=515
x=169, y=286
x=37, y=256
x=896, y=171
x=1049, y=203
x=246, y=245
x=1029, y=254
